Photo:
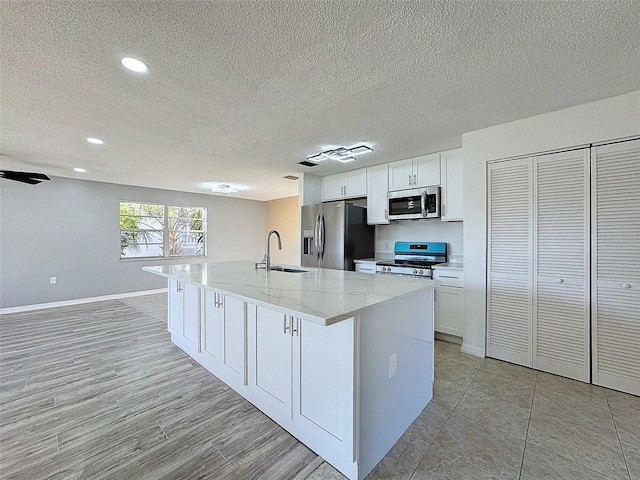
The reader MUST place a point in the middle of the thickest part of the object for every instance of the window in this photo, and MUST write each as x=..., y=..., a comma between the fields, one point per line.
x=161, y=231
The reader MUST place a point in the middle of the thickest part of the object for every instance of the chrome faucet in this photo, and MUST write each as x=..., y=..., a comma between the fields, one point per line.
x=267, y=256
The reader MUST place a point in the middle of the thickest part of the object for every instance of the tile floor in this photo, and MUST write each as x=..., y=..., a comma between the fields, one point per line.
x=488, y=419
x=492, y=419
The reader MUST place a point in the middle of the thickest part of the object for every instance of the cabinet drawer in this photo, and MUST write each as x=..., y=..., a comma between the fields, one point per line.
x=449, y=278
x=366, y=267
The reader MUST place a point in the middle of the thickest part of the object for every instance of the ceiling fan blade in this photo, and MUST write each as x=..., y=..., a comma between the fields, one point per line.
x=24, y=177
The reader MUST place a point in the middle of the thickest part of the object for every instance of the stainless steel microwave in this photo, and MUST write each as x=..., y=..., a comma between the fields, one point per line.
x=414, y=204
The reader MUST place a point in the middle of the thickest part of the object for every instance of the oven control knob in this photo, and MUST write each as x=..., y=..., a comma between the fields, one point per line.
x=415, y=271
x=420, y=272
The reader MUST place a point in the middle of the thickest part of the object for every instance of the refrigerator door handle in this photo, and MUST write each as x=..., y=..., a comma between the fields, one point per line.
x=316, y=238
x=323, y=236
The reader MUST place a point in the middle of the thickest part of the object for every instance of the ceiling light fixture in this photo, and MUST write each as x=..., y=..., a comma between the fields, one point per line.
x=340, y=154
x=95, y=141
x=134, y=65
x=79, y=170
x=224, y=189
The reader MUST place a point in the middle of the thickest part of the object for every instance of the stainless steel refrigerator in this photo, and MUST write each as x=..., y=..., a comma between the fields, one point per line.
x=334, y=234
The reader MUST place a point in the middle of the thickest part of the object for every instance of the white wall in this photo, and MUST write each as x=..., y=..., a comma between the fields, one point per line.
x=609, y=119
x=283, y=215
x=69, y=229
x=433, y=230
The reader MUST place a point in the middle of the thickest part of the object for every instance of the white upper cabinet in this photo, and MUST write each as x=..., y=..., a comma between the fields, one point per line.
x=451, y=186
x=344, y=185
x=377, y=189
x=416, y=172
x=400, y=175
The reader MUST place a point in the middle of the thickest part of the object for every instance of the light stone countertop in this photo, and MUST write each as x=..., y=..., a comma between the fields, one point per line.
x=449, y=266
x=366, y=260
x=320, y=295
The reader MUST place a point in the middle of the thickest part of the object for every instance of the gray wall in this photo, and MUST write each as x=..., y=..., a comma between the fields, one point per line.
x=69, y=229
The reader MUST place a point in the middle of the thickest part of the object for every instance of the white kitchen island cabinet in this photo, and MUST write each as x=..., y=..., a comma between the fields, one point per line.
x=315, y=351
x=184, y=315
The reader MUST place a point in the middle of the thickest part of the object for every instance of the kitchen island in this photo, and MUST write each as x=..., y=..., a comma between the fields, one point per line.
x=341, y=360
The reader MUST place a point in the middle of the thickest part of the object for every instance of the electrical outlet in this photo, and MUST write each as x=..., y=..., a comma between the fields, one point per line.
x=393, y=365
x=52, y=280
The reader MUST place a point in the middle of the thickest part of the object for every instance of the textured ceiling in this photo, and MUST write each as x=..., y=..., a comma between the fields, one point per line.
x=239, y=92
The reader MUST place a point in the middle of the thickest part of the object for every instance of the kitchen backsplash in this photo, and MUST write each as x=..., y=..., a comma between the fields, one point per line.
x=419, y=230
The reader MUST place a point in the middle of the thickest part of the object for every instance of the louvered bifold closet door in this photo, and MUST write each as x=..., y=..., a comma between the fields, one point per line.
x=616, y=266
x=561, y=258
x=509, y=296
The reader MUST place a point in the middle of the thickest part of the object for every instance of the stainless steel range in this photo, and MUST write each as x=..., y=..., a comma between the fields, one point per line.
x=414, y=258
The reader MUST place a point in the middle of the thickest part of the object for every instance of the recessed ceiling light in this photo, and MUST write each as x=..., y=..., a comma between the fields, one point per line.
x=134, y=65
x=95, y=141
x=79, y=170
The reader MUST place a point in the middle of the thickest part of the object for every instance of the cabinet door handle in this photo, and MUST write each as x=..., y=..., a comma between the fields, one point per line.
x=295, y=329
x=560, y=280
x=409, y=179
x=414, y=179
x=626, y=285
x=386, y=214
x=178, y=287
x=286, y=327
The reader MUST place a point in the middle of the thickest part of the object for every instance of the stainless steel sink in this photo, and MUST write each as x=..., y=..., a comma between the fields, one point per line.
x=280, y=268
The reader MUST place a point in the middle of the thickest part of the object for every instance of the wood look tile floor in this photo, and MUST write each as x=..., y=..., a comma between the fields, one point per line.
x=99, y=391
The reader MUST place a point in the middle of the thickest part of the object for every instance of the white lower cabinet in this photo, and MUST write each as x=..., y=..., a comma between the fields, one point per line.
x=323, y=384
x=270, y=347
x=328, y=386
x=222, y=341
x=184, y=315
x=301, y=373
x=366, y=267
x=449, y=302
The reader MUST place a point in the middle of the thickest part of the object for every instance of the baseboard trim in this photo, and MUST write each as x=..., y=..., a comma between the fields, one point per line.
x=447, y=337
x=78, y=301
x=471, y=350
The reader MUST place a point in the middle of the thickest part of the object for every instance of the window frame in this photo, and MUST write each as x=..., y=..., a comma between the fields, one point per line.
x=165, y=232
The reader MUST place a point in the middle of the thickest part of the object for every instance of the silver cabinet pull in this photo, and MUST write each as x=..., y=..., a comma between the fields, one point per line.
x=178, y=287
x=415, y=179
x=295, y=329
x=286, y=327
x=386, y=214
x=560, y=280
x=626, y=285
x=409, y=179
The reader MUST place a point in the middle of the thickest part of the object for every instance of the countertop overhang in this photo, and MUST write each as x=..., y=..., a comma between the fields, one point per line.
x=319, y=295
